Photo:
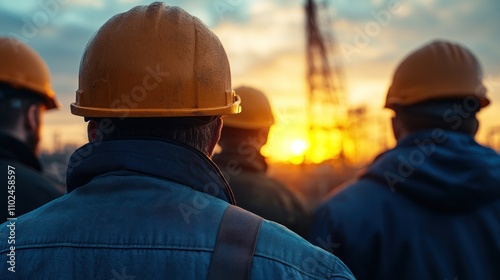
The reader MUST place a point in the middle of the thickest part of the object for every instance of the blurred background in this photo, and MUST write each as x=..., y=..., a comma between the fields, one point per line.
x=324, y=65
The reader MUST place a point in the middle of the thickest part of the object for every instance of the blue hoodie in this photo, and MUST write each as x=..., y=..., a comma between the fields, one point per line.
x=427, y=209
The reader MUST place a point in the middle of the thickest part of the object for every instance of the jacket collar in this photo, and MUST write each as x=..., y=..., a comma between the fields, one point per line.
x=152, y=157
x=13, y=149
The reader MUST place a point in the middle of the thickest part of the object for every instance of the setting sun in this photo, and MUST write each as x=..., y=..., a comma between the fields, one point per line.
x=298, y=147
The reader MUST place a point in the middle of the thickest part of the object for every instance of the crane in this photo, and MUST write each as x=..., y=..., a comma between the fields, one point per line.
x=326, y=103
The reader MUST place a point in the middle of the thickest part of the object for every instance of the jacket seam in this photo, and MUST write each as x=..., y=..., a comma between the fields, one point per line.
x=106, y=246
x=309, y=274
x=156, y=247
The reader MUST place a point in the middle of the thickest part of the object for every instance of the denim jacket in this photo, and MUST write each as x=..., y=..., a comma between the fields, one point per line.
x=146, y=209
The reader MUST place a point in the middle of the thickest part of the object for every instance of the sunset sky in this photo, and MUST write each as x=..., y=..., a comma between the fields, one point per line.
x=265, y=43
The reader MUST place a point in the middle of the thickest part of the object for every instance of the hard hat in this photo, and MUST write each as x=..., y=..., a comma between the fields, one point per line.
x=256, y=111
x=21, y=67
x=439, y=70
x=154, y=61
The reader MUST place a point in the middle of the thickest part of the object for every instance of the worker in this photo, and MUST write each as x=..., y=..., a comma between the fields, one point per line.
x=242, y=163
x=25, y=95
x=430, y=207
x=144, y=198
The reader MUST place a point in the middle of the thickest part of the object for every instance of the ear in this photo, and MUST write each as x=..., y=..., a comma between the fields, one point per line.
x=476, y=127
x=264, y=135
x=92, y=130
x=216, y=137
x=31, y=126
x=33, y=118
x=397, y=130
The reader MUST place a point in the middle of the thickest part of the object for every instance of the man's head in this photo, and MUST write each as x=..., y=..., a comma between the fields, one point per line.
x=155, y=71
x=252, y=125
x=437, y=86
x=25, y=92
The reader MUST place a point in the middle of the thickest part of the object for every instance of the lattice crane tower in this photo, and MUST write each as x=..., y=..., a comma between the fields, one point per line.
x=326, y=103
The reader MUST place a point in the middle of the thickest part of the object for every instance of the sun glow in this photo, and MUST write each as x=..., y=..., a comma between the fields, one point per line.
x=298, y=147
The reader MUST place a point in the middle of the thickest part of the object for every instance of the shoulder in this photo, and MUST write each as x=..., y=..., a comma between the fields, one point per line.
x=353, y=209
x=32, y=189
x=364, y=191
x=296, y=257
x=28, y=176
x=259, y=183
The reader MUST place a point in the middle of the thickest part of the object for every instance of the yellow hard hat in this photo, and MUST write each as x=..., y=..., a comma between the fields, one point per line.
x=21, y=67
x=256, y=113
x=154, y=61
x=438, y=70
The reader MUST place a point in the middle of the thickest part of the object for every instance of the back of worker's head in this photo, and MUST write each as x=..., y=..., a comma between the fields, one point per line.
x=437, y=86
x=155, y=71
x=25, y=91
x=252, y=125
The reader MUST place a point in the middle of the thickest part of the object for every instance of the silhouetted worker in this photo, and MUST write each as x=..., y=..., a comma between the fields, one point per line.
x=144, y=198
x=430, y=207
x=25, y=94
x=241, y=162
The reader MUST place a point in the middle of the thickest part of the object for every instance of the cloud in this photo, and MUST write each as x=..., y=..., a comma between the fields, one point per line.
x=271, y=32
x=265, y=40
x=89, y=3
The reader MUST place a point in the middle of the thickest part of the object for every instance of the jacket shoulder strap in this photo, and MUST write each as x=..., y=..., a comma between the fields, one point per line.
x=235, y=245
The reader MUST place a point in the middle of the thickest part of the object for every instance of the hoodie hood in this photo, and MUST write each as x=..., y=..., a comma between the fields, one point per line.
x=442, y=169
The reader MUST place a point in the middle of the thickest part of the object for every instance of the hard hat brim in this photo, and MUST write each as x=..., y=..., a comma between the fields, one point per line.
x=95, y=112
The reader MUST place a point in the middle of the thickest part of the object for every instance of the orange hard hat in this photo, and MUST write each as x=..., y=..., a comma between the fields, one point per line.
x=154, y=61
x=256, y=111
x=439, y=70
x=21, y=67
